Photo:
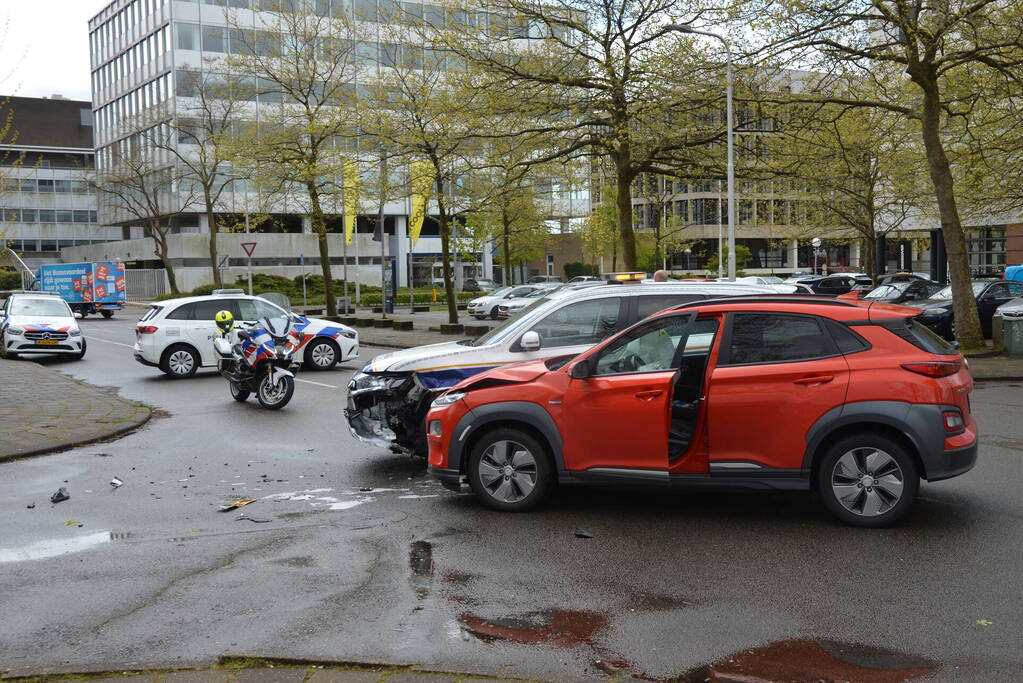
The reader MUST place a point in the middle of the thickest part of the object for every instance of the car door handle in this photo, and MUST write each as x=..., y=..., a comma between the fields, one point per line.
x=649, y=394
x=810, y=381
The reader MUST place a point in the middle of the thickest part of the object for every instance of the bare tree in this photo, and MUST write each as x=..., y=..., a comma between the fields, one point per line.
x=202, y=144
x=138, y=188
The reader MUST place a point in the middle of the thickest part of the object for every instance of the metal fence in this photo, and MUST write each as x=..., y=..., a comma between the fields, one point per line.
x=145, y=284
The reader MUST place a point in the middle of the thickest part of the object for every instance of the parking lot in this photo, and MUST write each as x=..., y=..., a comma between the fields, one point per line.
x=352, y=553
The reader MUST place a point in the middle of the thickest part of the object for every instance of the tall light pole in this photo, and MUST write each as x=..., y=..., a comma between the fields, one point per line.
x=685, y=28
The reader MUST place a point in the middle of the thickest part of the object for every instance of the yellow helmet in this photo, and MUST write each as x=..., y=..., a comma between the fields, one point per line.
x=224, y=320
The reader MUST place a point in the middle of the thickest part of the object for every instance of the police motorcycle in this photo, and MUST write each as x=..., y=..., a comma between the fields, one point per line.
x=259, y=358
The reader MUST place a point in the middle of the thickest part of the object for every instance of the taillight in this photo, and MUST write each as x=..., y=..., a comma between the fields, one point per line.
x=146, y=329
x=954, y=421
x=934, y=368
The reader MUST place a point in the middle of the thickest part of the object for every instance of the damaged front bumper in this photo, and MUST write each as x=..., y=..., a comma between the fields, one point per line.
x=388, y=410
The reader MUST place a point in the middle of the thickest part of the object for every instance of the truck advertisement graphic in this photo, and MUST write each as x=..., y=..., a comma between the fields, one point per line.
x=86, y=287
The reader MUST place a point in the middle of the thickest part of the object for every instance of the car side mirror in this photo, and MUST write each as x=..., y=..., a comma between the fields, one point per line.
x=530, y=341
x=581, y=370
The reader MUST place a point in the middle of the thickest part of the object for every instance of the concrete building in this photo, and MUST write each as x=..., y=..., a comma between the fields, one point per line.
x=146, y=55
x=47, y=202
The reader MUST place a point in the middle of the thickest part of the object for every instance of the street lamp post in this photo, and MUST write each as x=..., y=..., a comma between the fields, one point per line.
x=685, y=28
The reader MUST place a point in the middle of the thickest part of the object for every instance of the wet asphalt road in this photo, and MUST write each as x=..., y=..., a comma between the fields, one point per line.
x=153, y=574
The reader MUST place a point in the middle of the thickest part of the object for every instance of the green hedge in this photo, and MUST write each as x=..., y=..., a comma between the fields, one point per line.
x=10, y=279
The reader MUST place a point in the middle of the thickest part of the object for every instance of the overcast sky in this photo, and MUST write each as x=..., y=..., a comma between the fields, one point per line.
x=44, y=47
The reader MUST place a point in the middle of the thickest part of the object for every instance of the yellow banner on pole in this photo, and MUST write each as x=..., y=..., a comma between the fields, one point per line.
x=422, y=182
x=351, y=198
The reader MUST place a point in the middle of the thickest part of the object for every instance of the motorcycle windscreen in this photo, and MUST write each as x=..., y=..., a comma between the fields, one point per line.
x=277, y=326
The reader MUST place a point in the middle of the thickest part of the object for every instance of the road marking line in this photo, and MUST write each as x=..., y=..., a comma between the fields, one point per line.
x=319, y=384
x=91, y=338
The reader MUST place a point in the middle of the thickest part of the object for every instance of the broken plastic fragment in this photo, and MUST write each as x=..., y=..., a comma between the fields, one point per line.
x=30, y=507
x=583, y=533
x=116, y=483
x=237, y=504
x=60, y=495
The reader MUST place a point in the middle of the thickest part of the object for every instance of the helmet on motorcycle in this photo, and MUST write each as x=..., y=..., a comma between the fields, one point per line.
x=225, y=321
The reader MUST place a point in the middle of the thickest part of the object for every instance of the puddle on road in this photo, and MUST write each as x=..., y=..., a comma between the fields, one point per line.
x=40, y=550
x=791, y=661
x=565, y=628
x=420, y=558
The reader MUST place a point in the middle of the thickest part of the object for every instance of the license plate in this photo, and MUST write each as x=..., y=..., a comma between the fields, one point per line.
x=47, y=342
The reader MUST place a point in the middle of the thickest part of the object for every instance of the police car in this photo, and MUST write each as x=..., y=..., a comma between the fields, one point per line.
x=389, y=399
x=39, y=322
x=177, y=335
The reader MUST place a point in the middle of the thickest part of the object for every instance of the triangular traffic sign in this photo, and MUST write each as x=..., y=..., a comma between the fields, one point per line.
x=249, y=247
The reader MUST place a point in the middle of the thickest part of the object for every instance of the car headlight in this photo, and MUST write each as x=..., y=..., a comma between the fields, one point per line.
x=351, y=334
x=75, y=332
x=14, y=331
x=932, y=312
x=448, y=398
x=363, y=382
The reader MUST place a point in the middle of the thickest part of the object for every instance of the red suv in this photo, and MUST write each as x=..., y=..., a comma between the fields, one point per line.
x=852, y=399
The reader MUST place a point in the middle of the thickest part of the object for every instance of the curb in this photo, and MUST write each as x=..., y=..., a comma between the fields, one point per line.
x=75, y=443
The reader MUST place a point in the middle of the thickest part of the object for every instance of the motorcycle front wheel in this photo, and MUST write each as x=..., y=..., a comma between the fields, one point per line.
x=275, y=396
x=237, y=393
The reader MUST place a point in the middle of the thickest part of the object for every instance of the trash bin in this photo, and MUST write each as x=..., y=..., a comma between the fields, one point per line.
x=1012, y=335
x=388, y=304
x=344, y=305
x=997, y=343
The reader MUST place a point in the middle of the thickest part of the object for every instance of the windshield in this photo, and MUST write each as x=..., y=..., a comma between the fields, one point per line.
x=42, y=307
x=945, y=293
x=510, y=327
x=882, y=292
x=501, y=292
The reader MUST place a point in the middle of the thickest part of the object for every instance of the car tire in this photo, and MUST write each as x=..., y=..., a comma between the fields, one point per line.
x=493, y=313
x=868, y=480
x=180, y=361
x=321, y=354
x=4, y=353
x=525, y=485
x=80, y=355
x=107, y=314
x=237, y=393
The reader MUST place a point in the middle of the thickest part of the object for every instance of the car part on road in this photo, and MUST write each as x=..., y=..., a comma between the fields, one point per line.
x=179, y=361
x=116, y=483
x=583, y=533
x=60, y=495
x=237, y=504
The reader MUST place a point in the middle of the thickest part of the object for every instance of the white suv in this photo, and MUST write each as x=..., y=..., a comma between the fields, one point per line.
x=177, y=335
x=39, y=322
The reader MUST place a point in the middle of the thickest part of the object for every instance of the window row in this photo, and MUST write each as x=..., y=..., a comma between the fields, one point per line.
x=140, y=143
x=33, y=245
x=137, y=56
x=134, y=103
x=44, y=185
x=47, y=216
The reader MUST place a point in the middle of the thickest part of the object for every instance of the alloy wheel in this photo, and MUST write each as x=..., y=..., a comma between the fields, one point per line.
x=508, y=471
x=323, y=355
x=867, y=481
x=181, y=362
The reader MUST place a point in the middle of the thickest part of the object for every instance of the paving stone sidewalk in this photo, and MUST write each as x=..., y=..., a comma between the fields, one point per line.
x=42, y=410
x=271, y=673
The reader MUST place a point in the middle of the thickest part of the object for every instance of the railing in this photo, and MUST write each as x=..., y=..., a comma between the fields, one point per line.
x=145, y=284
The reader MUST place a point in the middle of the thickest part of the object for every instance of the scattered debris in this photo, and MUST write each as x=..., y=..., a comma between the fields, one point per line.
x=365, y=488
x=420, y=558
x=31, y=507
x=72, y=522
x=237, y=504
x=116, y=483
x=583, y=533
x=60, y=495
x=984, y=622
x=102, y=455
x=251, y=519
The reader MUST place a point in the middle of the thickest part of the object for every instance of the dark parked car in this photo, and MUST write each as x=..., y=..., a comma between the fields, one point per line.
x=543, y=278
x=937, y=310
x=890, y=278
x=839, y=284
x=479, y=285
x=899, y=291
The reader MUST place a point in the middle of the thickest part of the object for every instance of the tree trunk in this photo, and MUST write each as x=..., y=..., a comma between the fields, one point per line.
x=506, y=232
x=319, y=226
x=160, y=250
x=624, y=177
x=964, y=303
x=869, y=246
x=445, y=246
x=212, y=221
